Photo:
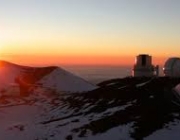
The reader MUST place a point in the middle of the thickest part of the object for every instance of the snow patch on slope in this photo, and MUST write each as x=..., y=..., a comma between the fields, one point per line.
x=64, y=81
x=44, y=78
x=170, y=132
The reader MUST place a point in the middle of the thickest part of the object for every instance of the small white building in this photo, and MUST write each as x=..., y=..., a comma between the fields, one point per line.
x=143, y=67
x=172, y=67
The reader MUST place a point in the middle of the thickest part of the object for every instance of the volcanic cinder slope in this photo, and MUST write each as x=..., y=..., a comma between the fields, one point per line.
x=14, y=76
x=127, y=108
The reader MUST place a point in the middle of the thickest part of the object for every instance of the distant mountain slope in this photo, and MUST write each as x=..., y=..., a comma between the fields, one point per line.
x=53, y=78
x=63, y=81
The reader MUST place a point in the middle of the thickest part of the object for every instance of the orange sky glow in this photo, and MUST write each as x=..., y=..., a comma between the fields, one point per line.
x=77, y=60
x=88, y=32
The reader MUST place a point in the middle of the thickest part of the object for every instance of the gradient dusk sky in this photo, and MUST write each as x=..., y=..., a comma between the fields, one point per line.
x=88, y=31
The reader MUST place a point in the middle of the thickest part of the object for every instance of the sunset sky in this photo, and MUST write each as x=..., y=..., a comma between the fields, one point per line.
x=96, y=32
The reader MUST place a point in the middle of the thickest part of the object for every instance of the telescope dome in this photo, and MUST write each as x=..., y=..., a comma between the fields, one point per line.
x=172, y=67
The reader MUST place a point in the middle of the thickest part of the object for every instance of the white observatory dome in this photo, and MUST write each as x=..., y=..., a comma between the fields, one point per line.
x=172, y=67
x=143, y=67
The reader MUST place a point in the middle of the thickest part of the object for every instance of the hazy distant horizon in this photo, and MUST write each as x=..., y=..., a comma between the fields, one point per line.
x=95, y=73
x=36, y=60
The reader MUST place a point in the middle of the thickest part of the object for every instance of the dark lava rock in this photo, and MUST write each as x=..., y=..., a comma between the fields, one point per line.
x=149, y=104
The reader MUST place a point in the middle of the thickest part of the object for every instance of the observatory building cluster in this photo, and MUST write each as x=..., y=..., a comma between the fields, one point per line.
x=143, y=67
